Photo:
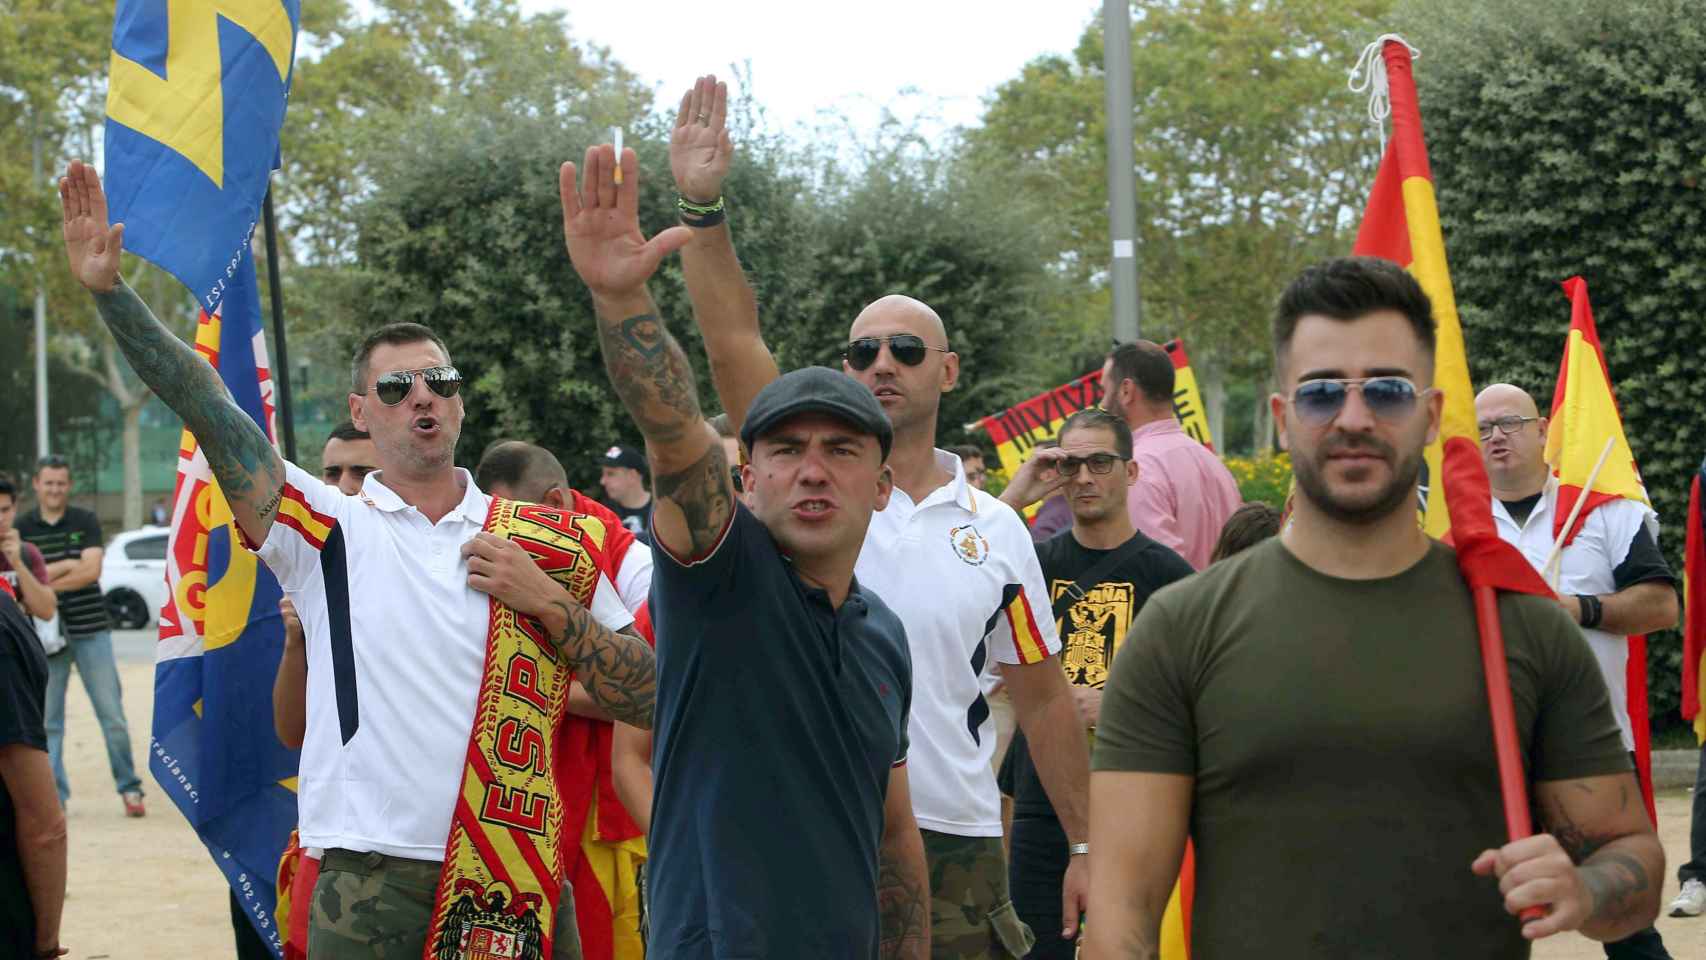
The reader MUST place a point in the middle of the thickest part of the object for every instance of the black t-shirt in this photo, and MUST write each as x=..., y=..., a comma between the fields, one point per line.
x=638, y=520
x=1520, y=508
x=82, y=611
x=1091, y=631
x=23, y=692
x=779, y=721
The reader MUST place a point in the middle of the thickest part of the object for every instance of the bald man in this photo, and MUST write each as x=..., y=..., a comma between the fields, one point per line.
x=1613, y=581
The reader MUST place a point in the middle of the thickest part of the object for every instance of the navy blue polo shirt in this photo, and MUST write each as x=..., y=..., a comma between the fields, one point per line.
x=779, y=720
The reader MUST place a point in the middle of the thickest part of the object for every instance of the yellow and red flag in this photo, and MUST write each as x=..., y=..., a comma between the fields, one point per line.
x=1401, y=224
x=1694, y=609
x=1584, y=417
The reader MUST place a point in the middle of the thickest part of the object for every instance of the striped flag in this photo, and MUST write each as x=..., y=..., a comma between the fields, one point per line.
x=195, y=101
x=1584, y=416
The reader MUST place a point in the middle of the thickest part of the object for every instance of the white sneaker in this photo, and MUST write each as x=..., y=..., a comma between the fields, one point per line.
x=1691, y=902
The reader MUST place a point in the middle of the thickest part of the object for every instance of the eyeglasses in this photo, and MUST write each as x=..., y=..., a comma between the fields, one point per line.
x=1099, y=463
x=1318, y=401
x=906, y=347
x=393, y=387
x=1509, y=426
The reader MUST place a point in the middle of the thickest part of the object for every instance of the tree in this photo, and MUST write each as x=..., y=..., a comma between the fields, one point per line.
x=1252, y=159
x=1567, y=138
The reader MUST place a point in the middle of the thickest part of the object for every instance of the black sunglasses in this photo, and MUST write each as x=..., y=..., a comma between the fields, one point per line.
x=393, y=387
x=1319, y=401
x=52, y=460
x=906, y=347
x=1099, y=463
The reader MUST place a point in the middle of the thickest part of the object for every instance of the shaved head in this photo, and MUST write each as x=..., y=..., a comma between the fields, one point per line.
x=1504, y=394
x=898, y=313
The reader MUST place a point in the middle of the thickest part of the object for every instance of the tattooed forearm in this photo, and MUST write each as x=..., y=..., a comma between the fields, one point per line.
x=1617, y=882
x=1600, y=826
x=651, y=375
x=903, y=907
x=618, y=670
x=703, y=493
x=249, y=471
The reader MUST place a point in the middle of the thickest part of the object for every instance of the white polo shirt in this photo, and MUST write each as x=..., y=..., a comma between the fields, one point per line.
x=396, y=642
x=1587, y=567
x=962, y=574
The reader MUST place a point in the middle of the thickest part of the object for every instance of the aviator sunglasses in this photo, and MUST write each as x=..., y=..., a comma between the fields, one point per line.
x=1318, y=401
x=393, y=387
x=907, y=348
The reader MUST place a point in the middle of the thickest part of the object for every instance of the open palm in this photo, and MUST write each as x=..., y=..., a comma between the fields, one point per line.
x=91, y=245
x=699, y=146
x=601, y=225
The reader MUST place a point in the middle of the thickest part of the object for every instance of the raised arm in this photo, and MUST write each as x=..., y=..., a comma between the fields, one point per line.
x=723, y=303
x=249, y=470
x=695, y=496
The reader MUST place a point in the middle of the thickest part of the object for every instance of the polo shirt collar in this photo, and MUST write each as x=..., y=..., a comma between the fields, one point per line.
x=1156, y=428
x=472, y=507
x=957, y=490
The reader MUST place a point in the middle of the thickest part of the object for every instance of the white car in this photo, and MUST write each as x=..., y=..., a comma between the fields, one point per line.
x=133, y=577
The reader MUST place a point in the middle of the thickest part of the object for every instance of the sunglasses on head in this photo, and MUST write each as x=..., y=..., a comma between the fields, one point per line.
x=907, y=348
x=1318, y=401
x=393, y=387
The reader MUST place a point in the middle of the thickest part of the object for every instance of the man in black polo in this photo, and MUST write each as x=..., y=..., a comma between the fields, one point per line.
x=69, y=539
x=782, y=821
x=1099, y=575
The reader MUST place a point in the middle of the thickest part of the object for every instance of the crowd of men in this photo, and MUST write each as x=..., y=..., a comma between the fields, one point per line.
x=811, y=654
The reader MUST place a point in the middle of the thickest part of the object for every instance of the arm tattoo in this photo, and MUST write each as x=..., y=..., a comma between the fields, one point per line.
x=651, y=375
x=239, y=454
x=703, y=493
x=902, y=907
x=1614, y=879
x=618, y=670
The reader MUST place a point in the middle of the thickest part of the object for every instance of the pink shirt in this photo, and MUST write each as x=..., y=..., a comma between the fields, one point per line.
x=1183, y=493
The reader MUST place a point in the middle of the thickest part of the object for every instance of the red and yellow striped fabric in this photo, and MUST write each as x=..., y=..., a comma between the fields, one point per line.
x=1694, y=610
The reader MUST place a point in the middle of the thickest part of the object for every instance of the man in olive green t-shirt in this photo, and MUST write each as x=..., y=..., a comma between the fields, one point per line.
x=1313, y=713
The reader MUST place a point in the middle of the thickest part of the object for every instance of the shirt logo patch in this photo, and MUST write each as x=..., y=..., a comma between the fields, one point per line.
x=969, y=545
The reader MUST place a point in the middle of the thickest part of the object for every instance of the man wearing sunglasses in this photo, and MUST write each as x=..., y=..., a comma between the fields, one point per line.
x=1100, y=573
x=1612, y=579
x=1313, y=711
x=394, y=589
x=959, y=569
x=1183, y=493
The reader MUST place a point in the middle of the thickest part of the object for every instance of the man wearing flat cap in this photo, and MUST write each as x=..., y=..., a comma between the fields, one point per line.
x=782, y=821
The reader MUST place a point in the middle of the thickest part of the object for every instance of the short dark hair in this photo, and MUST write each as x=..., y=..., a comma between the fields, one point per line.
x=965, y=450
x=347, y=431
x=1146, y=364
x=1091, y=418
x=1350, y=288
x=527, y=469
x=1249, y=525
x=395, y=334
x=8, y=490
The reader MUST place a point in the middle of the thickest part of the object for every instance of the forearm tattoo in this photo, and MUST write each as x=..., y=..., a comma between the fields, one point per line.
x=903, y=909
x=651, y=375
x=238, y=453
x=1615, y=879
x=618, y=670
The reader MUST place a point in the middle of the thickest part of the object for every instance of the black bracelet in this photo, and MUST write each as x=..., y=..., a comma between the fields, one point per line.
x=702, y=219
x=1592, y=610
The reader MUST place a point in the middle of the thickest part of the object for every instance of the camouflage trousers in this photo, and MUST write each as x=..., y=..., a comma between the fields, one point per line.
x=971, y=914
x=368, y=906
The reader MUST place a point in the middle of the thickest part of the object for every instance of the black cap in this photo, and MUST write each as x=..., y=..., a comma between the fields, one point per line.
x=817, y=390
x=620, y=456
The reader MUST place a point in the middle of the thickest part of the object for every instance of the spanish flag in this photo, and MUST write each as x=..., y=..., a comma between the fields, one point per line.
x=1694, y=609
x=1584, y=417
x=1401, y=224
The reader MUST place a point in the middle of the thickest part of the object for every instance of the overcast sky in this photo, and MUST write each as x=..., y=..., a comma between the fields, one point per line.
x=929, y=59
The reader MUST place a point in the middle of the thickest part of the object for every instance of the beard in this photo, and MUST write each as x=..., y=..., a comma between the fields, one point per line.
x=1361, y=510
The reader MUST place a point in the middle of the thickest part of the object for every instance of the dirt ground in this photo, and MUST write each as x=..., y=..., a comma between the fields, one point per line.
x=147, y=890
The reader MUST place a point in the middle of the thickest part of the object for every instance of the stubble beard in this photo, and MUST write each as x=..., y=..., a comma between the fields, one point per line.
x=1398, y=493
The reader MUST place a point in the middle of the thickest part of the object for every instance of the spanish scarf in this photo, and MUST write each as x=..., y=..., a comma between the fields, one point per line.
x=499, y=892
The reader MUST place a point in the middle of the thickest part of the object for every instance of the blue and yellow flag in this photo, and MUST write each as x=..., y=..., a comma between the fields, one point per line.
x=197, y=96
x=194, y=105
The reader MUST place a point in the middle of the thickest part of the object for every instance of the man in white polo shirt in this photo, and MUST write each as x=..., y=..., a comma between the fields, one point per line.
x=1612, y=579
x=392, y=588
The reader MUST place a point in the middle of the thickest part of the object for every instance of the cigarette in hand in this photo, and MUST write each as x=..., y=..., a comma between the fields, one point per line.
x=616, y=135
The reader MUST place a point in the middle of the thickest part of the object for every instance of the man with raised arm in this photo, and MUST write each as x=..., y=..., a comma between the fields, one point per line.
x=957, y=565
x=420, y=615
x=782, y=822
x=1313, y=712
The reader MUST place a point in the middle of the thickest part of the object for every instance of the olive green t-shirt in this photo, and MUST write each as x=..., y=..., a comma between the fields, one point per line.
x=1338, y=734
